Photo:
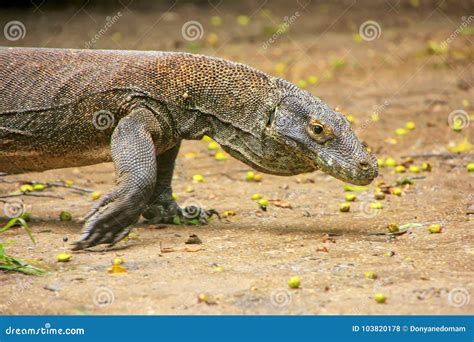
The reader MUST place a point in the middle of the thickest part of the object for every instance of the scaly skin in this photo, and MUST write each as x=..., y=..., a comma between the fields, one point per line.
x=62, y=108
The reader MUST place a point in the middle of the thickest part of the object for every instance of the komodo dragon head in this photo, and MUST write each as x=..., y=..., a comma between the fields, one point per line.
x=318, y=137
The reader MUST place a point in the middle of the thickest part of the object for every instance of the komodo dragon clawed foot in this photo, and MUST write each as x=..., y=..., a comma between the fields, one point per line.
x=134, y=155
x=171, y=213
x=162, y=208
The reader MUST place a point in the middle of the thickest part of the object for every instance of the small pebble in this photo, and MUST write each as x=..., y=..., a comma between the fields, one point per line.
x=379, y=195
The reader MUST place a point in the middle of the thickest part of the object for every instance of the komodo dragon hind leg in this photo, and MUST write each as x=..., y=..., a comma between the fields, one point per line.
x=134, y=156
x=162, y=208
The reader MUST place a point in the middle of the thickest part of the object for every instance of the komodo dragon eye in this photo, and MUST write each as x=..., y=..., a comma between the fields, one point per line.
x=319, y=132
x=318, y=129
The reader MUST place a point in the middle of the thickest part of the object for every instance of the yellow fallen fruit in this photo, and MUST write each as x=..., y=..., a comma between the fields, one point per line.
x=39, y=187
x=190, y=155
x=117, y=269
x=174, y=196
x=249, y=176
x=117, y=261
x=216, y=21
x=400, y=169
x=198, y=178
x=257, y=178
x=410, y=125
x=393, y=227
x=229, y=213
x=380, y=298
x=69, y=182
x=65, y=216
x=434, y=228
x=256, y=197
x=380, y=162
x=26, y=188
x=414, y=169
x=294, y=282
x=63, y=257
x=396, y=191
x=243, y=20
x=390, y=162
x=206, y=138
x=313, y=79
x=370, y=275
x=96, y=195
x=426, y=167
x=470, y=167
x=221, y=156
x=263, y=202
x=350, y=118
x=401, y=131
x=376, y=205
x=213, y=146
x=344, y=207
x=350, y=197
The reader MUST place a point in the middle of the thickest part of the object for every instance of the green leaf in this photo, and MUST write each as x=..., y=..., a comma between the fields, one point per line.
x=21, y=222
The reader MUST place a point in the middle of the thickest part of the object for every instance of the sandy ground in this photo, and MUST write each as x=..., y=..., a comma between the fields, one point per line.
x=245, y=261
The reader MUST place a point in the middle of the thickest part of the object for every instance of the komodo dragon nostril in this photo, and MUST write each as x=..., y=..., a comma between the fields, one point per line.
x=364, y=165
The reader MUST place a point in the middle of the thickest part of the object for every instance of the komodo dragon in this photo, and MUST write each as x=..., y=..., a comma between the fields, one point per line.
x=62, y=108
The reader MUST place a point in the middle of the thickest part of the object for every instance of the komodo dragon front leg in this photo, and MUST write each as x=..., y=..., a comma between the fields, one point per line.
x=162, y=208
x=134, y=155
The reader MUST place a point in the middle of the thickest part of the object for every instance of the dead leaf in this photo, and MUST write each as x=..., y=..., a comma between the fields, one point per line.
x=281, y=203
